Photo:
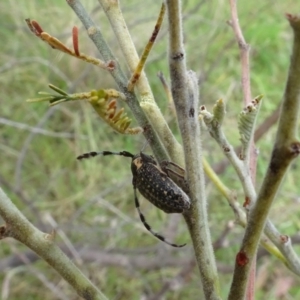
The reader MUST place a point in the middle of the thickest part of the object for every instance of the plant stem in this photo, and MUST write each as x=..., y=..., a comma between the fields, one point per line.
x=285, y=149
x=185, y=94
x=147, y=101
x=96, y=36
x=19, y=228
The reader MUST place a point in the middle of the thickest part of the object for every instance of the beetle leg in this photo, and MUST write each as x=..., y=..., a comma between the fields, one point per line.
x=148, y=227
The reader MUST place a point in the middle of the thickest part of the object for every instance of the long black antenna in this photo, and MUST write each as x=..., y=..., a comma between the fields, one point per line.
x=95, y=153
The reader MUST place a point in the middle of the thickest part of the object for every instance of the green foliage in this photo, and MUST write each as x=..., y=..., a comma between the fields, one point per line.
x=92, y=202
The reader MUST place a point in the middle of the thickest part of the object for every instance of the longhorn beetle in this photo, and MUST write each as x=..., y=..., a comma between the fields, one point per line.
x=154, y=184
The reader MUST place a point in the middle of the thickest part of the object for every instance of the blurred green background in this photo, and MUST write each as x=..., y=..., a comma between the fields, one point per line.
x=91, y=203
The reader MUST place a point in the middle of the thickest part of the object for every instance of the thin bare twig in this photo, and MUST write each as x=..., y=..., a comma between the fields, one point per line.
x=26, y=144
x=251, y=154
x=244, y=53
x=38, y=130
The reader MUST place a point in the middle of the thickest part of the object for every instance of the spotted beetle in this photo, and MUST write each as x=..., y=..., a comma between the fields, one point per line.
x=155, y=184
